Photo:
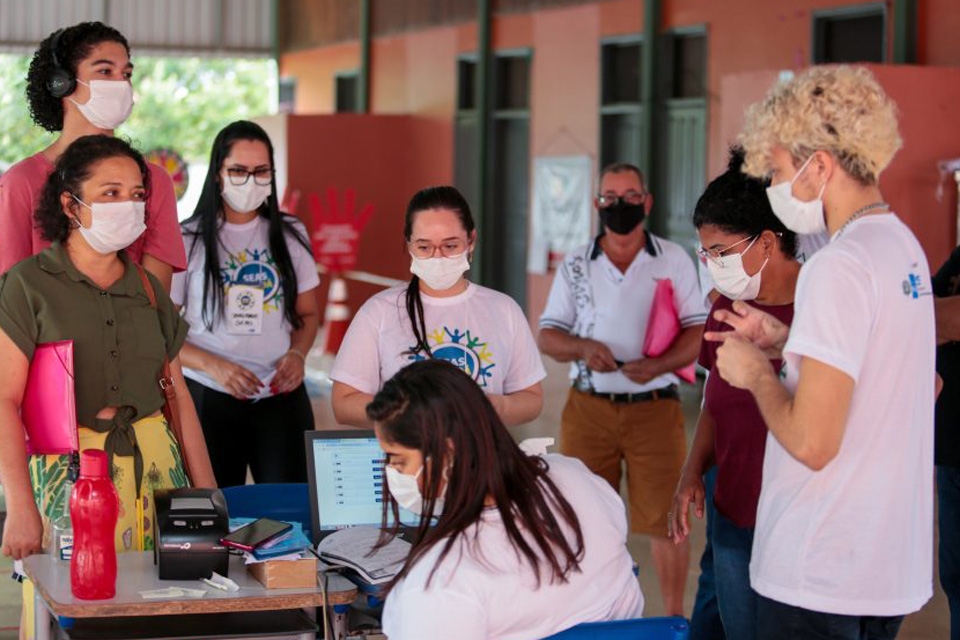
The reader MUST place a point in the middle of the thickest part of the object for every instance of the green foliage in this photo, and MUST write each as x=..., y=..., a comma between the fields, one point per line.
x=48, y=476
x=181, y=104
x=19, y=137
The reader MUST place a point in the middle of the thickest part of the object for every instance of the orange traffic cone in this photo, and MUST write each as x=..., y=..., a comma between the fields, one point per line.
x=336, y=315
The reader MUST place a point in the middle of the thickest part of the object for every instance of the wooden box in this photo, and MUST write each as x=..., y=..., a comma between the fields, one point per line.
x=286, y=574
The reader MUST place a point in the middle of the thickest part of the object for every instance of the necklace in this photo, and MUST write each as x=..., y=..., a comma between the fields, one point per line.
x=862, y=211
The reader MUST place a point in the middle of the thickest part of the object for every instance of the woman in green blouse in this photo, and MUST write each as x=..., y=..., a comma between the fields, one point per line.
x=84, y=288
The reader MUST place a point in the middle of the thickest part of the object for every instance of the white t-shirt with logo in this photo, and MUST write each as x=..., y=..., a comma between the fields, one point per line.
x=244, y=259
x=856, y=538
x=481, y=331
x=592, y=298
x=482, y=591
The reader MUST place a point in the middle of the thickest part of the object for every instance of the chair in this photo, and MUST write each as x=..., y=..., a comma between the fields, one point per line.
x=284, y=502
x=676, y=628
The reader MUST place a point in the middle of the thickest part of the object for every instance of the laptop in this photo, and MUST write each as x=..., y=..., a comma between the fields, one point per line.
x=347, y=485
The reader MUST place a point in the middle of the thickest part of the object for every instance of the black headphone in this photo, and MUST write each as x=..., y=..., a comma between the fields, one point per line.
x=61, y=82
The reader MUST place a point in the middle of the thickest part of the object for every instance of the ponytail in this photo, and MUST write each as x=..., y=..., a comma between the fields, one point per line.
x=444, y=197
x=417, y=321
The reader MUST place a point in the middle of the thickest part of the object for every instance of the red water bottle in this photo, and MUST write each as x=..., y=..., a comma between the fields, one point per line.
x=94, y=508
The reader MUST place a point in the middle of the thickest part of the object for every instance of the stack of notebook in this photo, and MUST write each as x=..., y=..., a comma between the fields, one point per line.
x=290, y=546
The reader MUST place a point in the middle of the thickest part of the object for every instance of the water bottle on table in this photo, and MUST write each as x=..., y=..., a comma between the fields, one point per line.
x=94, y=508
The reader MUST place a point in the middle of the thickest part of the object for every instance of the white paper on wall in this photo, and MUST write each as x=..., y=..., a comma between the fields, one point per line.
x=561, y=208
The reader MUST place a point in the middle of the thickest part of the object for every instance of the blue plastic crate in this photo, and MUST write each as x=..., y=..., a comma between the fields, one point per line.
x=283, y=502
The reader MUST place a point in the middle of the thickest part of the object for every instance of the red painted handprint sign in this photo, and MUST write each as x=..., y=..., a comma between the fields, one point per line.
x=336, y=230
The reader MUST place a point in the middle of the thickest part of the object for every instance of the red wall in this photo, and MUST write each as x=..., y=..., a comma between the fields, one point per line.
x=564, y=95
x=939, y=24
x=385, y=159
x=415, y=73
x=927, y=99
x=315, y=70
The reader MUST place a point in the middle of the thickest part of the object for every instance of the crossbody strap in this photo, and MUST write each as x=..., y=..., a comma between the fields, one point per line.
x=171, y=405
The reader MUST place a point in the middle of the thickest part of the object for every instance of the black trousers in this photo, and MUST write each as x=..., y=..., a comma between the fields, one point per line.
x=779, y=621
x=267, y=435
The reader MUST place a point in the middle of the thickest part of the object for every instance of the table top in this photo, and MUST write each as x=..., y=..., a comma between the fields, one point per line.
x=136, y=572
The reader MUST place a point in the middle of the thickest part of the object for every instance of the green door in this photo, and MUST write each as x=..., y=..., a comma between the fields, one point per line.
x=684, y=169
x=682, y=145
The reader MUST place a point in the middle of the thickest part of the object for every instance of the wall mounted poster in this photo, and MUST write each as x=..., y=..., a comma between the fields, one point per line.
x=561, y=209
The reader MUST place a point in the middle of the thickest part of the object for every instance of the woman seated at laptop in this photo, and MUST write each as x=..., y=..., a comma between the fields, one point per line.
x=520, y=546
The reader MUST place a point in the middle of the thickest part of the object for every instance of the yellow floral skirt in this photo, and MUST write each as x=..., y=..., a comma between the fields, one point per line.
x=162, y=469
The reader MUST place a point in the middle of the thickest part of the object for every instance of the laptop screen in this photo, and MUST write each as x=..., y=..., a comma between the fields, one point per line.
x=348, y=478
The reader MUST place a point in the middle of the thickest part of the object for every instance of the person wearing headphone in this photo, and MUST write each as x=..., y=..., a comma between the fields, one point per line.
x=79, y=84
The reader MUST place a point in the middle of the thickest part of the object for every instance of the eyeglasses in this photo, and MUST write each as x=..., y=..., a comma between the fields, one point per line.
x=714, y=255
x=447, y=248
x=239, y=177
x=630, y=197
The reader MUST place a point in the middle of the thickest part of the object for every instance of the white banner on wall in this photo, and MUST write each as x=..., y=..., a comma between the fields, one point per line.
x=561, y=208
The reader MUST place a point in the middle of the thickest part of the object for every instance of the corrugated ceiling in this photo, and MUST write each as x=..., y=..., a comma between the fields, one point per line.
x=213, y=28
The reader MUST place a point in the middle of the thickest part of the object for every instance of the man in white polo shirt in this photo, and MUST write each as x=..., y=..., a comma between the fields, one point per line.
x=623, y=406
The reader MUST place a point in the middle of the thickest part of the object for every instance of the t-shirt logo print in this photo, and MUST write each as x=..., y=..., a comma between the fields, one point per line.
x=462, y=350
x=255, y=268
x=245, y=301
x=914, y=286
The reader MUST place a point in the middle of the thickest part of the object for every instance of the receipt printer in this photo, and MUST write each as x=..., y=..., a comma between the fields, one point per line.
x=187, y=527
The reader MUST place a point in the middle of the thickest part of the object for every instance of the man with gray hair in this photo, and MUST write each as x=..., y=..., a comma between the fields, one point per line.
x=623, y=406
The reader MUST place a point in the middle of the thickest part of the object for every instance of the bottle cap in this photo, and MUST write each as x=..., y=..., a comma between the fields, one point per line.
x=93, y=464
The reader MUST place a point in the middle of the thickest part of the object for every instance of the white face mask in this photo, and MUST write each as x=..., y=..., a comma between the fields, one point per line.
x=113, y=225
x=110, y=103
x=440, y=273
x=731, y=279
x=245, y=197
x=405, y=489
x=795, y=214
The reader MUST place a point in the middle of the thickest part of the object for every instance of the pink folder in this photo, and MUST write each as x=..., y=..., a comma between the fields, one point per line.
x=49, y=410
x=664, y=327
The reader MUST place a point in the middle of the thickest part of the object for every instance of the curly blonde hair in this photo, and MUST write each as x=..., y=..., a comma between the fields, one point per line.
x=838, y=109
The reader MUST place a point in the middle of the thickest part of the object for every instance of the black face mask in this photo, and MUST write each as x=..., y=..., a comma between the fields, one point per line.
x=622, y=217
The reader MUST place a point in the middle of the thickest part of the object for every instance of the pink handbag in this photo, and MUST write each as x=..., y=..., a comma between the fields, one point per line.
x=49, y=410
x=663, y=327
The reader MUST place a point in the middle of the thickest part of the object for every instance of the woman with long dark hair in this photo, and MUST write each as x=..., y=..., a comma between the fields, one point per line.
x=440, y=314
x=503, y=537
x=249, y=297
